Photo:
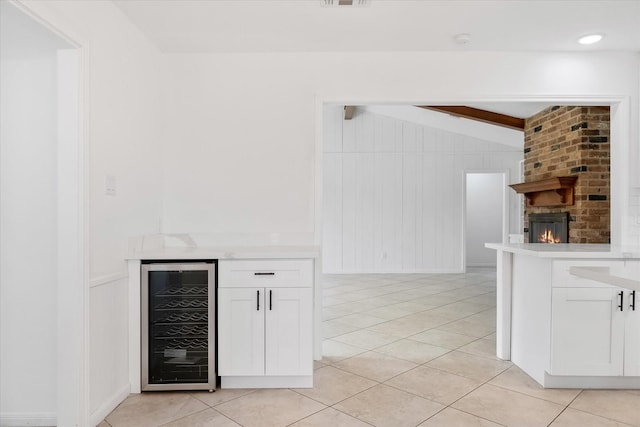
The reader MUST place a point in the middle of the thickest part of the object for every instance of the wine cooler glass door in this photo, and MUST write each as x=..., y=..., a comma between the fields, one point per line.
x=178, y=344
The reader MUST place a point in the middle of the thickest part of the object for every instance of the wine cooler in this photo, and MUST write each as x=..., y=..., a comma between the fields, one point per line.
x=178, y=326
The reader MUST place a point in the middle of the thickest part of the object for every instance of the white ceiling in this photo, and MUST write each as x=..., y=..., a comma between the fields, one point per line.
x=384, y=25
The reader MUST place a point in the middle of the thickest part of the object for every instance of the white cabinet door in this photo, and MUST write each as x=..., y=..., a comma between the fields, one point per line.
x=241, y=331
x=587, y=332
x=289, y=345
x=632, y=334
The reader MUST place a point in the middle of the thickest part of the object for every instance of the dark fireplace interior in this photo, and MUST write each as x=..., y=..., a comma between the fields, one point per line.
x=549, y=228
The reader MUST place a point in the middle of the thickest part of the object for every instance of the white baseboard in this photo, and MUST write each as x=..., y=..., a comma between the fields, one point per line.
x=558, y=381
x=264, y=381
x=413, y=271
x=24, y=419
x=109, y=405
x=480, y=264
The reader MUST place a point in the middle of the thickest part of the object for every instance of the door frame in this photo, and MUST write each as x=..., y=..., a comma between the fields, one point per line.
x=620, y=157
x=506, y=219
x=72, y=379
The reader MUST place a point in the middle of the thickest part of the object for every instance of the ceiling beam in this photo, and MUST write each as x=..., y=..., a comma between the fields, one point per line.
x=479, y=115
x=348, y=111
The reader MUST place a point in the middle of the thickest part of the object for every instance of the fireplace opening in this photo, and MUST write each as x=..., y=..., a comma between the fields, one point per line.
x=549, y=228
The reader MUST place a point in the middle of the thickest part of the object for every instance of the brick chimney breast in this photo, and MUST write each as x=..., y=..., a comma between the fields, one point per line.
x=570, y=140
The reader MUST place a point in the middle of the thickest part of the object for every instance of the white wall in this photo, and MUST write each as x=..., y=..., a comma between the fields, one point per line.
x=231, y=164
x=123, y=82
x=28, y=218
x=484, y=193
x=242, y=127
x=394, y=192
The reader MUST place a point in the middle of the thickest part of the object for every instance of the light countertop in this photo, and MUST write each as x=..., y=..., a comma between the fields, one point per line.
x=218, y=246
x=569, y=250
x=227, y=252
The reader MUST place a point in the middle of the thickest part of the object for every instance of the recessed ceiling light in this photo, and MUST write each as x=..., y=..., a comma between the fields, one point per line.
x=590, y=39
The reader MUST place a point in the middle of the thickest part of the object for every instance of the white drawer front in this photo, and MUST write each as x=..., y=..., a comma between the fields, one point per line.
x=564, y=279
x=263, y=273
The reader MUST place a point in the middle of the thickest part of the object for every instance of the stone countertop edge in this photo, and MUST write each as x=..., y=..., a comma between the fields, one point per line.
x=568, y=250
x=608, y=275
x=226, y=252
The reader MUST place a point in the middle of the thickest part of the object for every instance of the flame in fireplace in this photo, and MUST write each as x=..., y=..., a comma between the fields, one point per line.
x=548, y=237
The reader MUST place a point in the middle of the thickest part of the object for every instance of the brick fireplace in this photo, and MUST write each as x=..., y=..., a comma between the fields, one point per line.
x=572, y=142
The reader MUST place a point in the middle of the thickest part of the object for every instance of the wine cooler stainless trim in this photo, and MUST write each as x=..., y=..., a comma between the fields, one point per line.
x=211, y=295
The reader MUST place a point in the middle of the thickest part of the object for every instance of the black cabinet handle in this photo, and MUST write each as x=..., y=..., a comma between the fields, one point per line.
x=270, y=301
x=269, y=273
x=633, y=301
x=620, y=305
x=258, y=301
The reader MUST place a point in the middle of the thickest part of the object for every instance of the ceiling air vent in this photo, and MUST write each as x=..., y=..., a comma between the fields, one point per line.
x=346, y=2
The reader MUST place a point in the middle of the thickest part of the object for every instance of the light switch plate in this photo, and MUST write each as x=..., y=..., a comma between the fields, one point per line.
x=110, y=185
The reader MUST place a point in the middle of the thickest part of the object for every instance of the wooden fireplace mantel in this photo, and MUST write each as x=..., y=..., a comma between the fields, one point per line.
x=557, y=191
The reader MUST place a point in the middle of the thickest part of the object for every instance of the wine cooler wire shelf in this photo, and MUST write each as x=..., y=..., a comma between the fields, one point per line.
x=184, y=317
x=187, y=330
x=189, y=344
x=182, y=304
x=184, y=291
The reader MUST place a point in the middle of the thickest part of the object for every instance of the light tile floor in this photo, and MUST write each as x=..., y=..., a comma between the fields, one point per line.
x=399, y=350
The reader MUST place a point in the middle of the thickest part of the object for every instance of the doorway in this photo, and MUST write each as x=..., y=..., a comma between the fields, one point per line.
x=41, y=224
x=486, y=220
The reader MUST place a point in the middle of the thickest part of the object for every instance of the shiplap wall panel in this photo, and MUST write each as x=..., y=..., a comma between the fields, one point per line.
x=349, y=218
x=409, y=202
x=388, y=134
x=394, y=199
x=364, y=133
x=390, y=214
x=349, y=135
x=427, y=217
x=364, y=210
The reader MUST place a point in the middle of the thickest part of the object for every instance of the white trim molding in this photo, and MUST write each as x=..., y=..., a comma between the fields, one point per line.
x=108, y=278
x=109, y=405
x=22, y=419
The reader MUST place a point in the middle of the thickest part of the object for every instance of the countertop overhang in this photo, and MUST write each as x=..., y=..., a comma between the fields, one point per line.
x=568, y=250
x=617, y=276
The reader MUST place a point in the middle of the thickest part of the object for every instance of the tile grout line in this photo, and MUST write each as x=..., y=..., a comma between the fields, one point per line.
x=565, y=408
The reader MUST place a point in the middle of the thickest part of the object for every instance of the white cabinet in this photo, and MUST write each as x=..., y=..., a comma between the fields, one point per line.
x=587, y=332
x=632, y=334
x=240, y=331
x=595, y=327
x=288, y=337
x=563, y=318
x=265, y=323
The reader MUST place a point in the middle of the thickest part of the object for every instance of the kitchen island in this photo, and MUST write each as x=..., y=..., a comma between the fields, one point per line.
x=567, y=313
x=265, y=313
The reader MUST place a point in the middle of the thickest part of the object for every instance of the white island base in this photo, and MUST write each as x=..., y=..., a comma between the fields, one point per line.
x=568, y=315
